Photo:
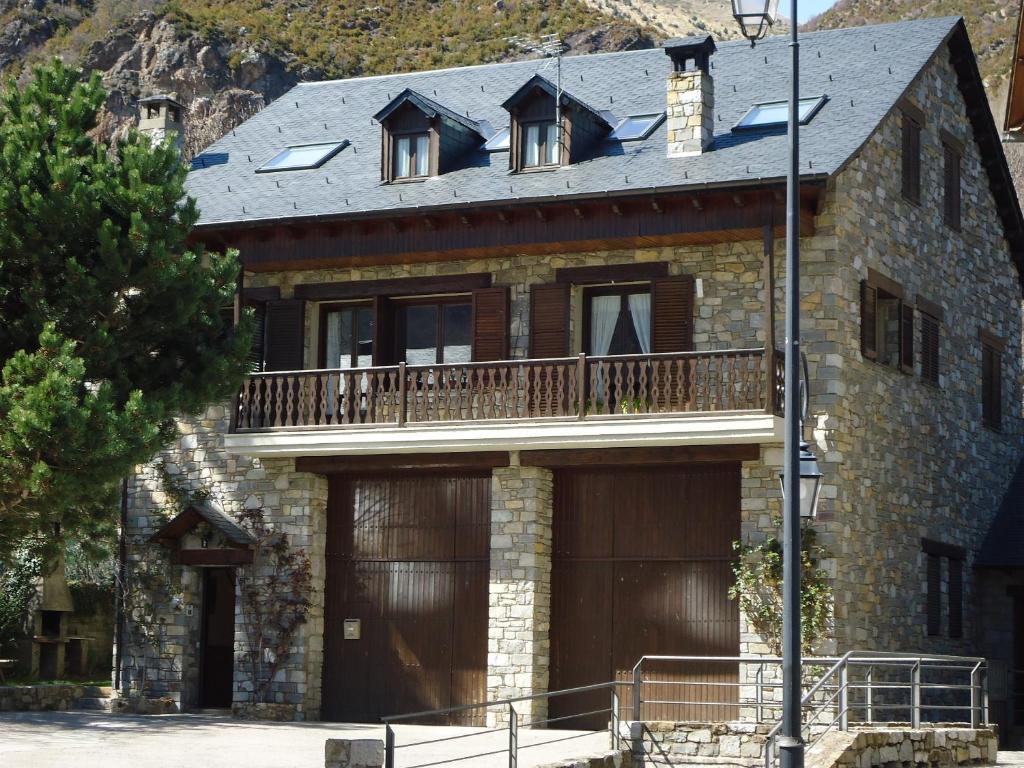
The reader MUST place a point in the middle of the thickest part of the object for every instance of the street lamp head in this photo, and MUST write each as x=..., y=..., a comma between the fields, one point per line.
x=755, y=17
x=810, y=482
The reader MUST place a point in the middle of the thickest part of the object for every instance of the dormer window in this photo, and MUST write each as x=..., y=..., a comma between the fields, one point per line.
x=411, y=156
x=540, y=144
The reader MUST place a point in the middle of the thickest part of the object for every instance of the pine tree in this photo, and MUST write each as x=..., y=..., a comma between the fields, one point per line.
x=110, y=322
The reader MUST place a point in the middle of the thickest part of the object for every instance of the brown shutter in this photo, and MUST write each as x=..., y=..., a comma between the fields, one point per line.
x=259, y=338
x=934, y=602
x=549, y=320
x=868, y=323
x=911, y=159
x=956, y=597
x=906, y=338
x=672, y=314
x=929, y=348
x=951, y=192
x=991, y=387
x=284, y=335
x=490, y=323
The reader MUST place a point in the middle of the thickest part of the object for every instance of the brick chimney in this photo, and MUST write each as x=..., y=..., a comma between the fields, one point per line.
x=691, y=96
x=160, y=116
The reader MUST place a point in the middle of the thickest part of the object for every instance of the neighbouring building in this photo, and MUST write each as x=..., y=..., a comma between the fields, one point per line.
x=516, y=392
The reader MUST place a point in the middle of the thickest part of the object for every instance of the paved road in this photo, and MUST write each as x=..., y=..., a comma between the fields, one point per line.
x=96, y=740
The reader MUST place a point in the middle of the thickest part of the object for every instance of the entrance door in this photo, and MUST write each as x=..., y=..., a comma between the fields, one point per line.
x=218, y=637
x=406, y=600
x=641, y=566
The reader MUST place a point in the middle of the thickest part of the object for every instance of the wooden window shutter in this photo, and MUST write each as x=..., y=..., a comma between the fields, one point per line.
x=259, y=336
x=951, y=191
x=284, y=335
x=911, y=159
x=672, y=314
x=956, y=597
x=991, y=387
x=906, y=337
x=490, y=323
x=868, y=322
x=549, y=320
x=934, y=599
x=929, y=349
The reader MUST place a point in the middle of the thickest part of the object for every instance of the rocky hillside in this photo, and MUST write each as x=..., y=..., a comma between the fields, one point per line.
x=679, y=17
x=226, y=58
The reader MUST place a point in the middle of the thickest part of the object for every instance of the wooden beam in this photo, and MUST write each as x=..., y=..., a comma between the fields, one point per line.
x=612, y=273
x=680, y=454
x=394, y=286
x=398, y=462
x=256, y=295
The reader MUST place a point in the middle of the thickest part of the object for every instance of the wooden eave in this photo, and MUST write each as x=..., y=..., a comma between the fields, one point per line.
x=239, y=550
x=522, y=227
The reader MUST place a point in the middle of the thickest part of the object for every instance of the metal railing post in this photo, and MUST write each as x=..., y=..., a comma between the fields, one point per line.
x=513, y=737
x=976, y=696
x=401, y=395
x=869, y=695
x=759, y=693
x=915, y=695
x=581, y=386
x=984, y=695
x=844, y=696
x=389, y=746
x=637, y=682
x=615, y=719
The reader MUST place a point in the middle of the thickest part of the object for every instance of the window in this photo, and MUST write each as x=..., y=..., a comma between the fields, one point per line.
x=951, y=186
x=617, y=320
x=498, y=142
x=411, y=156
x=929, y=348
x=636, y=127
x=991, y=380
x=435, y=332
x=302, y=157
x=540, y=144
x=346, y=336
x=887, y=323
x=771, y=113
x=911, y=159
x=944, y=584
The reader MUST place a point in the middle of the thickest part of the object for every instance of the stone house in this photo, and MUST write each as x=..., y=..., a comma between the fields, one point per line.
x=515, y=389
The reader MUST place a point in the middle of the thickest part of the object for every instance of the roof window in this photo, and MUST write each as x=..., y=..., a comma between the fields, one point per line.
x=499, y=142
x=636, y=127
x=302, y=156
x=771, y=113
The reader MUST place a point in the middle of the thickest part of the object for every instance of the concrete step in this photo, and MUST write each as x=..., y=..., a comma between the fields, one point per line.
x=93, y=704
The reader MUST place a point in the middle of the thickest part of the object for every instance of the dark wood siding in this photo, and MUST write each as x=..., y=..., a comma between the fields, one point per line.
x=549, y=320
x=409, y=558
x=642, y=565
x=490, y=323
x=284, y=335
x=672, y=314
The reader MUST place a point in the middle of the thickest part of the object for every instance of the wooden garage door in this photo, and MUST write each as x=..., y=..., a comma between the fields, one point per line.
x=408, y=558
x=642, y=565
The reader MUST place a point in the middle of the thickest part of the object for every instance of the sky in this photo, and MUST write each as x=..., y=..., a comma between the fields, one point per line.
x=806, y=8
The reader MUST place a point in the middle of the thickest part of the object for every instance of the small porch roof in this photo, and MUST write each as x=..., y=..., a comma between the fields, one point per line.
x=203, y=511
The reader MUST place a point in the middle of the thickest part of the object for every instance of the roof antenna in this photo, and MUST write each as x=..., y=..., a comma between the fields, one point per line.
x=547, y=46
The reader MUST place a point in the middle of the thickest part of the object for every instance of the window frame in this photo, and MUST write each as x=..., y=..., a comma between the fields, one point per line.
x=430, y=301
x=911, y=133
x=320, y=161
x=875, y=288
x=814, y=108
x=618, y=289
x=992, y=348
x=544, y=125
x=413, y=137
x=937, y=575
x=337, y=306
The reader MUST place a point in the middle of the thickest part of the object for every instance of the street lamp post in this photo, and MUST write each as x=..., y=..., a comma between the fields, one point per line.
x=800, y=472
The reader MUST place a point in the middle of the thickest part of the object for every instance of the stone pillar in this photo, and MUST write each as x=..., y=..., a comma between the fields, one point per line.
x=518, y=643
x=691, y=112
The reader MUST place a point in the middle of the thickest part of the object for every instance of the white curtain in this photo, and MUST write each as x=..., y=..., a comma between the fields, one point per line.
x=551, y=145
x=532, y=146
x=422, y=155
x=604, y=314
x=640, y=311
x=403, y=158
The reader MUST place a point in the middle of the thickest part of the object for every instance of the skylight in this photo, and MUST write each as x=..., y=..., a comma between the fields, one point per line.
x=302, y=156
x=636, y=127
x=498, y=142
x=777, y=113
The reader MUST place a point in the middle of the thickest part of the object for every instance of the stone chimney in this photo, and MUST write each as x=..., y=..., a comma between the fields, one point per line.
x=690, y=99
x=160, y=116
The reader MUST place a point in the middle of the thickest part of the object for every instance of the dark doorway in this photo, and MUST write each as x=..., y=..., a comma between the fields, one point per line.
x=406, y=599
x=641, y=565
x=218, y=637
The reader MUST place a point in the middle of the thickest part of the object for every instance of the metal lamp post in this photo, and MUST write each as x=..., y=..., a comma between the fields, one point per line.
x=801, y=480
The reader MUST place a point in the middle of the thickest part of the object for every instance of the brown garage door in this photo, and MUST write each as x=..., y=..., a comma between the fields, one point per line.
x=408, y=558
x=641, y=565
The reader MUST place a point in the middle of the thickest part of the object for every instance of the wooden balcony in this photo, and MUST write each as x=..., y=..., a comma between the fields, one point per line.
x=578, y=389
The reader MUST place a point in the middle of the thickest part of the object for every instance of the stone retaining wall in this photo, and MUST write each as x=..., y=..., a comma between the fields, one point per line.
x=942, y=747
x=37, y=698
x=669, y=743
x=369, y=753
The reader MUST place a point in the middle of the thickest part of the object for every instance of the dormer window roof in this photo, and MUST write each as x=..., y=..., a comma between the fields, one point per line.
x=421, y=138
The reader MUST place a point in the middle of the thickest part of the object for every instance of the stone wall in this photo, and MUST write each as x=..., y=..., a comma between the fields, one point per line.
x=37, y=698
x=668, y=743
x=933, y=747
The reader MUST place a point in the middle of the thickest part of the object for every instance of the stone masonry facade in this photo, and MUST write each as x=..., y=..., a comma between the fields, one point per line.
x=902, y=460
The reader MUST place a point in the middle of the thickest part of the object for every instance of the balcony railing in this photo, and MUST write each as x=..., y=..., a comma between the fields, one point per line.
x=582, y=388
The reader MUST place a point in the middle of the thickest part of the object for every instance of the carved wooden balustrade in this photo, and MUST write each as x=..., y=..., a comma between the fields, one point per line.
x=580, y=387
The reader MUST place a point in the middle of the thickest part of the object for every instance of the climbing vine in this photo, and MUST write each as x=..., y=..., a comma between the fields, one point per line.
x=758, y=588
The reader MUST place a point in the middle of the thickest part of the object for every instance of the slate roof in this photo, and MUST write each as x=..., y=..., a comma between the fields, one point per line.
x=1004, y=545
x=864, y=71
x=212, y=514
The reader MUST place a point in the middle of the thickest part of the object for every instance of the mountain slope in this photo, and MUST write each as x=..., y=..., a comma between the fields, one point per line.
x=679, y=17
